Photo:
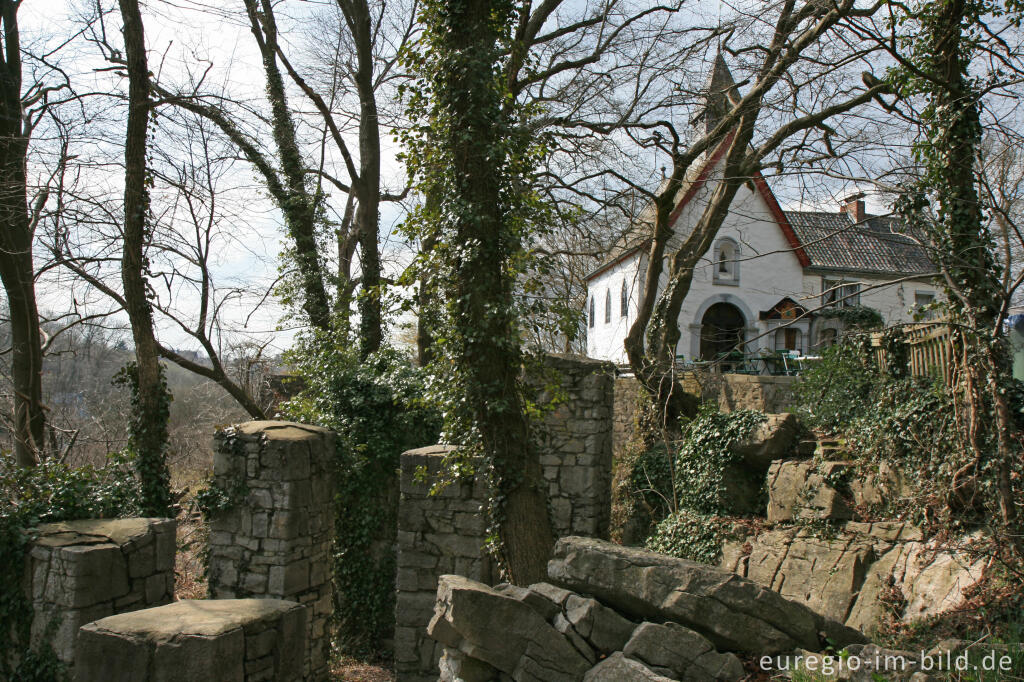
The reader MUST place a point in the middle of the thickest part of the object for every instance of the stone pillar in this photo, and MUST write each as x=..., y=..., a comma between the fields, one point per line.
x=275, y=541
x=79, y=571
x=437, y=534
x=575, y=442
x=221, y=640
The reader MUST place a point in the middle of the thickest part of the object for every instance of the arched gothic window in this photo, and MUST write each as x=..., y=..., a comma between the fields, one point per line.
x=726, y=265
x=592, y=316
x=624, y=300
x=607, y=306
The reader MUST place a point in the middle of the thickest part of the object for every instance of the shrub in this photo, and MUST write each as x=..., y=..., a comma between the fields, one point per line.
x=377, y=408
x=837, y=390
x=688, y=535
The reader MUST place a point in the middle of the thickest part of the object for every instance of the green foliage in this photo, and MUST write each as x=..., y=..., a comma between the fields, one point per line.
x=705, y=453
x=151, y=429
x=47, y=493
x=377, y=408
x=836, y=390
x=685, y=487
x=688, y=535
x=856, y=316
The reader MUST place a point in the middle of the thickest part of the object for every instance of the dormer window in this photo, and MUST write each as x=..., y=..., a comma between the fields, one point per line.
x=624, y=300
x=726, y=265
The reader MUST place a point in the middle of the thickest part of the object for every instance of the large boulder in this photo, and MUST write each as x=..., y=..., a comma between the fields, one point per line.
x=734, y=613
x=484, y=624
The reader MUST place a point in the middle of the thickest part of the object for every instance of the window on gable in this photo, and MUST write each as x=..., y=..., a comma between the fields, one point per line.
x=592, y=316
x=624, y=300
x=607, y=306
x=726, y=266
x=837, y=293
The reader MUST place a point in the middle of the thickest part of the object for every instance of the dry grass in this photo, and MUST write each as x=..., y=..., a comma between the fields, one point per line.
x=350, y=670
x=189, y=578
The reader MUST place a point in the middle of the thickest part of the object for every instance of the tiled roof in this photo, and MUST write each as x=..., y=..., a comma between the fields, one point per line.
x=833, y=241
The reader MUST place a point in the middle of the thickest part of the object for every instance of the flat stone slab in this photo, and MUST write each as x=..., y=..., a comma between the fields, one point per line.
x=221, y=640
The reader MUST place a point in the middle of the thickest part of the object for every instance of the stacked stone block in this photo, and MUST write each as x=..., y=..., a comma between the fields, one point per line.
x=275, y=540
x=575, y=441
x=437, y=534
x=80, y=571
x=228, y=640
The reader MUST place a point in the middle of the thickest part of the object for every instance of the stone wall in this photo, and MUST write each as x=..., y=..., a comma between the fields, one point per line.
x=769, y=394
x=437, y=534
x=612, y=613
x=575, y=441
x=80, y=571
x=275, y=541
x=444, y=533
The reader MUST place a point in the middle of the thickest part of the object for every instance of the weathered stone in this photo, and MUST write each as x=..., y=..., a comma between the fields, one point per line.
x=277, y=543
x=486, y=625
x=734, y=613
x=826, y=574
x=79, y=571
x=603, y=628
x=457, y=667
x=199, y=641
x=538, y=602
x=686, y=653
x=618, y=668
x=801, y=490
x=773, y=439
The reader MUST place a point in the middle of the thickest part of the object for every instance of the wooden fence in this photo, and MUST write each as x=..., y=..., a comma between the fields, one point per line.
x=929, y=349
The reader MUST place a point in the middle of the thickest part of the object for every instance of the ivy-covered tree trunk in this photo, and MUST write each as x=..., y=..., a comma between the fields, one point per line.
x=475, y=206
x=16, y=266
x=938, y=67
x=293, y=197
x=151, y=399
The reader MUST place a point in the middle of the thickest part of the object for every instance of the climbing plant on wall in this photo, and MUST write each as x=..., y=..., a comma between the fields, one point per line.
x=377, y=408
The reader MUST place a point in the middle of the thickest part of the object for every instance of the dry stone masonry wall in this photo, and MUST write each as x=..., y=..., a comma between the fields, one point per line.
x=575, y=441
x=274, y=541
x=81, y=571
x=445, y=532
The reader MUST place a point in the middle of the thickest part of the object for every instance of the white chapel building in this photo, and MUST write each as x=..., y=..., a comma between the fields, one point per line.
x=768, y=273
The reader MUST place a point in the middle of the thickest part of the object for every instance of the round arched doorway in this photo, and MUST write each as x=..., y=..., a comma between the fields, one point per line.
x=721, y=331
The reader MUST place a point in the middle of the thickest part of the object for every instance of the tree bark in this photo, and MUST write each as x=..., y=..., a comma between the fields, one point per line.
x=149, y=422
x=367, y=185
x=16, y=265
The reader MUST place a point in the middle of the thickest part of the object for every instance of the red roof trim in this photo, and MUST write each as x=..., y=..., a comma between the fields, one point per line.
x=702, y=178
x=780, y=218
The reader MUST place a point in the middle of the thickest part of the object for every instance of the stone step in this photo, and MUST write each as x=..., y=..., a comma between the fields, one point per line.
x=196, y=640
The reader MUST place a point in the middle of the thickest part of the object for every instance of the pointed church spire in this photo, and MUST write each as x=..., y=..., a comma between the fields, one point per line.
x=719, y=93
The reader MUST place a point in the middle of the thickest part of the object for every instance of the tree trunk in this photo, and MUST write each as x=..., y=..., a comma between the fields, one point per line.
x=16, y=266
x=482, y=303
x=367, y=185
x=149, y=421
x=298, y=206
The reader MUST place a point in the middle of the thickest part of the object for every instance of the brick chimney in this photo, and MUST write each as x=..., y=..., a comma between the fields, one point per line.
x=853, y=206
